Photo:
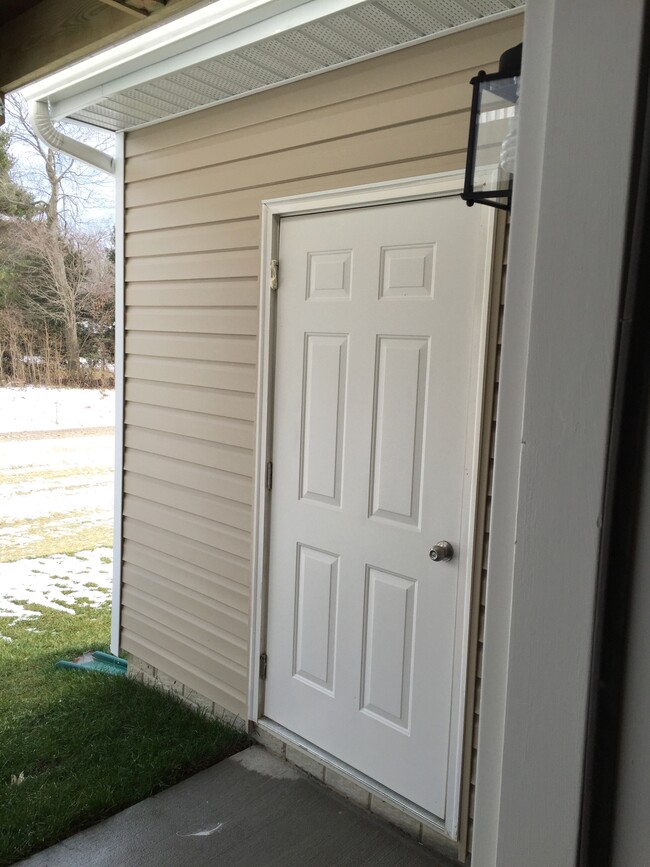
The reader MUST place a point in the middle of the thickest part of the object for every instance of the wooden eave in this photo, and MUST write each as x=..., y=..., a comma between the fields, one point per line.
x=38, y=37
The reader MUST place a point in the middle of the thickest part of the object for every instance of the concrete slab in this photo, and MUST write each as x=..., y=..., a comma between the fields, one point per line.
x=253, y=810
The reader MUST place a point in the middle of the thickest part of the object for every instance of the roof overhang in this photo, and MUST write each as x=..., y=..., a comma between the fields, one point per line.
x=232, y=48
x=38, y=37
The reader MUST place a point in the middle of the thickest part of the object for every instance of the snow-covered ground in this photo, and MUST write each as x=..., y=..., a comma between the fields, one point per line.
x=44, y=409
x=56, y=495
x=50, y=486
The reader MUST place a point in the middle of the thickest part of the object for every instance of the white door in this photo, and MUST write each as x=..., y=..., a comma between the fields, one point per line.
x=378, y=321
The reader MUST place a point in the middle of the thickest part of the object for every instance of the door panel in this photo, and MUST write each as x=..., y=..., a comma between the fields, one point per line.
x=378, y=317
x=398, y=422
x=323, y=404
x=315, y=621
x=388, y=647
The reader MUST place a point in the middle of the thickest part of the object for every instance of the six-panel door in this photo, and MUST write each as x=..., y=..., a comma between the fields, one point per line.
x=377, y=317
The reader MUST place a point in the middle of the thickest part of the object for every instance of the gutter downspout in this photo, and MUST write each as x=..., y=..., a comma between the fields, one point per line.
x=39, y=117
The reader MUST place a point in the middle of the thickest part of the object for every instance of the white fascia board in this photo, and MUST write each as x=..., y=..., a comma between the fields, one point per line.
x=161, y=42
x=145, y=58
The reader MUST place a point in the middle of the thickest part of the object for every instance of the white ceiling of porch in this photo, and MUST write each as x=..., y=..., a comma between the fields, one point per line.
x=359, y=31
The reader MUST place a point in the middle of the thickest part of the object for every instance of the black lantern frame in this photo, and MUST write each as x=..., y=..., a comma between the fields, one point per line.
x=507, y=85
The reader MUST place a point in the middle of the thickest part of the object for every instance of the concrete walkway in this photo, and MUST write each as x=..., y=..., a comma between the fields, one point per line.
x=253, y=810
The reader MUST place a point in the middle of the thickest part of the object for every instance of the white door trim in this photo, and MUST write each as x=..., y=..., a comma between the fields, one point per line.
x=412, y=189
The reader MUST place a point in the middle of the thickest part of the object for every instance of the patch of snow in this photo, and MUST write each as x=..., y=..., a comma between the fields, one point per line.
x=44, y=580
x=35, y=408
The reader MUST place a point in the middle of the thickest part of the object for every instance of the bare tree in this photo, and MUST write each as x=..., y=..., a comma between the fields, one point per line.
x=62, y=186
x=59, y=275
x=61, y=268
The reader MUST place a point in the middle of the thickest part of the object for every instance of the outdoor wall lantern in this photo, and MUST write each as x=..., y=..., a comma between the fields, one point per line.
x=493, y=133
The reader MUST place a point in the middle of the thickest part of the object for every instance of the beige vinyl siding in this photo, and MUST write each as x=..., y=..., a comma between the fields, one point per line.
x=479, y=589
x=193, y=192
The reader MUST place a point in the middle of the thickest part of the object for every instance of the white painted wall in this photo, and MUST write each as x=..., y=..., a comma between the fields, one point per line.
x=562, y=298
x=631, y=828
x=512, y=385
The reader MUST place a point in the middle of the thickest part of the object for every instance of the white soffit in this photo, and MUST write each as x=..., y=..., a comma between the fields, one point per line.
x=257, y=44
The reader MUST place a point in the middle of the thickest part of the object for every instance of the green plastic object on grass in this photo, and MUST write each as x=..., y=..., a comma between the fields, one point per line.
x=105, y=663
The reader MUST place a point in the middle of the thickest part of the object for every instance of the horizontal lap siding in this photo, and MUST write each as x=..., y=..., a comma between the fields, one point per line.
x=419, y=140
x=193, y=192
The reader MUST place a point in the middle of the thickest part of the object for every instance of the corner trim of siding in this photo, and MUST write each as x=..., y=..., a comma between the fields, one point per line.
x=119, y=394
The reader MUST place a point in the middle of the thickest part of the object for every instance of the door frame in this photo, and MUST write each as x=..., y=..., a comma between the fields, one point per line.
x=391, y=192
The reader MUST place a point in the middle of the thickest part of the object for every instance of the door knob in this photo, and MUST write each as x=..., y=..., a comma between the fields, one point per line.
x=441, y=551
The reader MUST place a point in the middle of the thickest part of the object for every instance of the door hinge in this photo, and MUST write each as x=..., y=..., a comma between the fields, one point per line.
x=263, y=663
x=274, y=275
x=269, y=475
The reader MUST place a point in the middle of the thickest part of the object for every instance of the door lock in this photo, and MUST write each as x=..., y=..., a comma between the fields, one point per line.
x=441, y=551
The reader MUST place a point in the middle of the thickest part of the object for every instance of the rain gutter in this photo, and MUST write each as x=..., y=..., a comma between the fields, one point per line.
x=39, y=117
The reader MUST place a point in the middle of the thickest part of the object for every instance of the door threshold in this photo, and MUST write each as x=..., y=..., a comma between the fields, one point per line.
x=327, y=760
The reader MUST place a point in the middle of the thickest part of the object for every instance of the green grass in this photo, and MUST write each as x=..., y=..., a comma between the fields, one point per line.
x=87, y=745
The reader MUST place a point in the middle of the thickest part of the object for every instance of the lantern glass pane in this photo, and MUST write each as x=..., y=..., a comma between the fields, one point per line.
x=496, y=134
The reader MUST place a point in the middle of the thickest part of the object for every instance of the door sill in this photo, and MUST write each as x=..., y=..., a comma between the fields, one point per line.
x=367, y=783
